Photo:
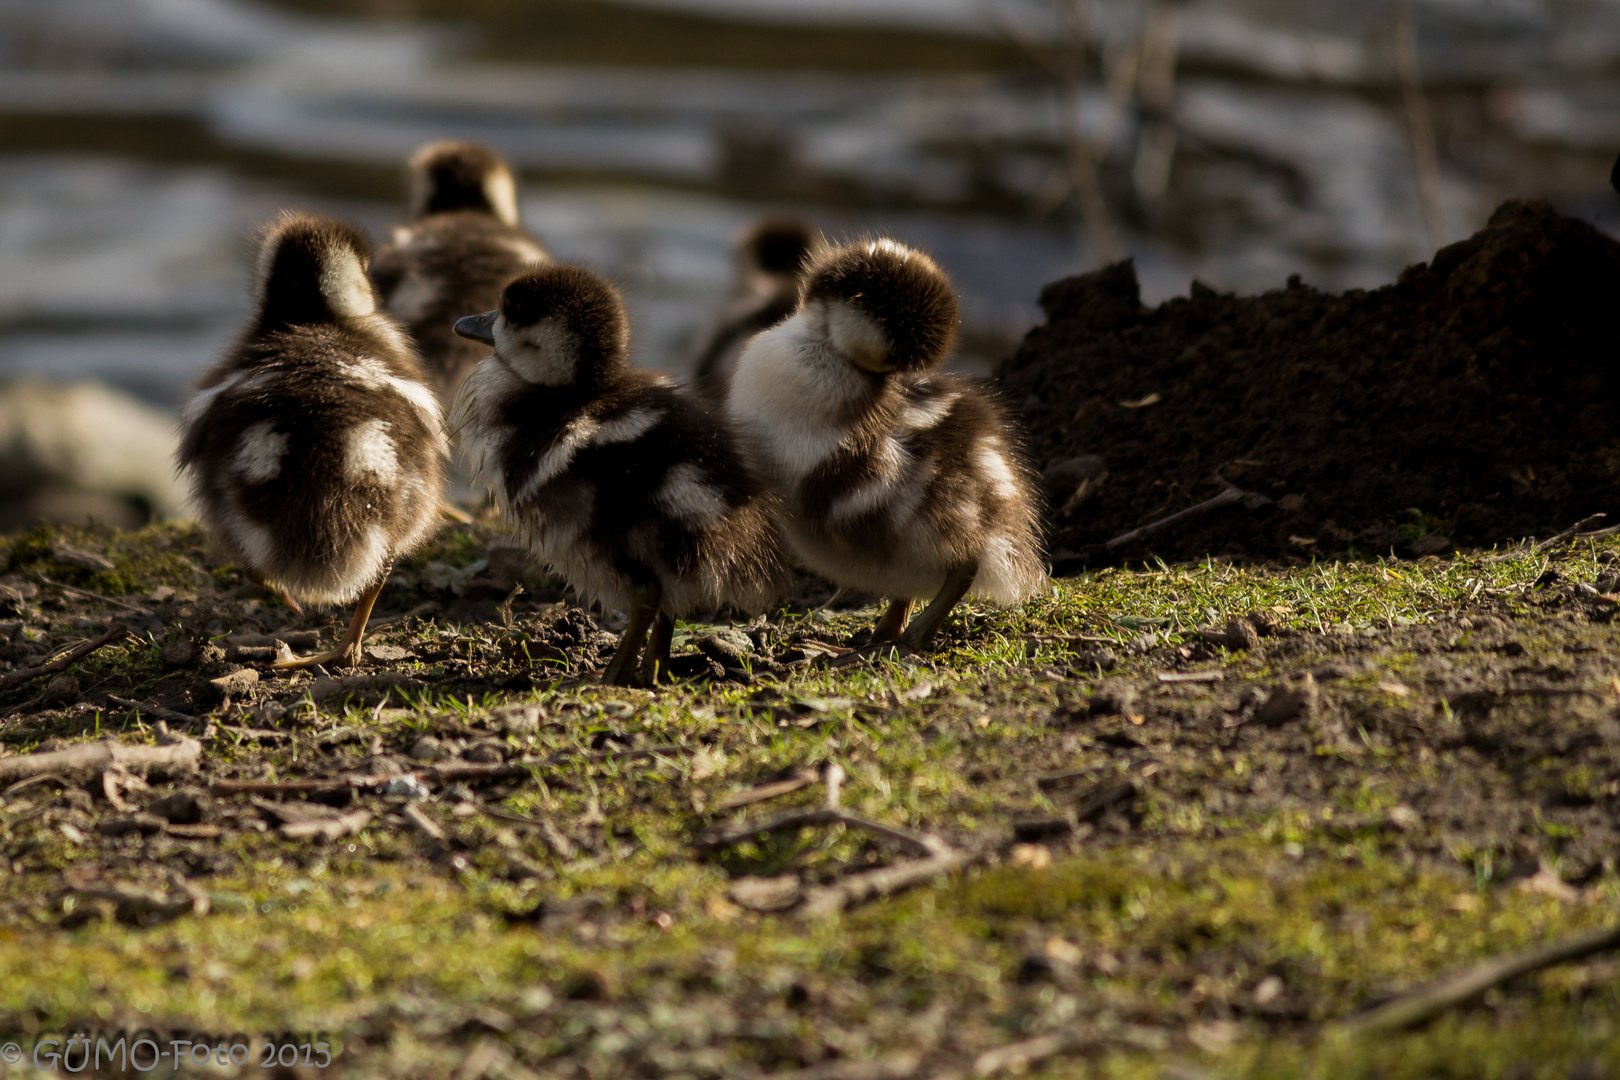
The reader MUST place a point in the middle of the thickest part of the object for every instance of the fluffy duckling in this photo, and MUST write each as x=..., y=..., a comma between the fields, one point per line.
x=462, y=244
x=771, y=257
x=621, y=484
x=892, y=479
x=313, y=449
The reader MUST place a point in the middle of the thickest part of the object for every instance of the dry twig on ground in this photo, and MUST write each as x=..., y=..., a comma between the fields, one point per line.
x=1232, y=496
x=1427, y=1002
x=79, y=652
x=176, y=758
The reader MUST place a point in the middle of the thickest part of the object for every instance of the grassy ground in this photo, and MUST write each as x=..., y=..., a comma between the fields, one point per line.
x=1165, y=876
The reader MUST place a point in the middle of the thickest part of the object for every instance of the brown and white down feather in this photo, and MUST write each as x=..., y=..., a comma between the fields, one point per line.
x=463, y=244
x=313, y=449
x=771, y=257
x=613, y=476
x=889, y=475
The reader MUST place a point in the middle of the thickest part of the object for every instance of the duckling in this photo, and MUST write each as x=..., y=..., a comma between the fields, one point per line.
x=771, y=256
x=893, y=479
x=462, y=244
x=623, y=485
x=313, y=449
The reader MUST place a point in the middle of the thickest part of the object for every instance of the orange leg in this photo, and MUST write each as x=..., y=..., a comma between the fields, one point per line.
x=957, y=583
x=275, y=590
x=347, y=651
x=893, y=622
x=655, y=661
x=644, y=601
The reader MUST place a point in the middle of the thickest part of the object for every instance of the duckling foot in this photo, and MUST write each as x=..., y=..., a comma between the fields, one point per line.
x=925, y=626
x=347, y=652
x=874, y=650
x=644, y=600
x=655, y=659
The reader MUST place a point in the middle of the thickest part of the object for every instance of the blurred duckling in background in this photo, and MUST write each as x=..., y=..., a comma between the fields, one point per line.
x=314, y=450
x=771, y=257
x=462, y=245
x=622, y=484
x=893, y=479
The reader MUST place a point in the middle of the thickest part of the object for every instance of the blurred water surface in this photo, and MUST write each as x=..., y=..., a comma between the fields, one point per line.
x=146, y=139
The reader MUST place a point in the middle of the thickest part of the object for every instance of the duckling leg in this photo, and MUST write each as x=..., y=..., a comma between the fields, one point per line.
x=455, y=513
x=893, y=622
x=275, y=590
x=347, y=651
x=926, y=625
x=644, y=600
x=655, y=660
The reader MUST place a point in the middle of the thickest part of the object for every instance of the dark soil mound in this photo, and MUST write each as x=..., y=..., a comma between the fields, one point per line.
x=1475, y=400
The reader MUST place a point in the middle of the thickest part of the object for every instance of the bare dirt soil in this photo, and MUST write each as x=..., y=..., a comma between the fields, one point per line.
x=1475, y=400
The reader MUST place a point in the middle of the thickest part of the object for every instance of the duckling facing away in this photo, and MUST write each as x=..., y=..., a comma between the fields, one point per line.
x=771, y=257
x=892, y=479
x=462, y=244
x=313, y=448
x=623, y=485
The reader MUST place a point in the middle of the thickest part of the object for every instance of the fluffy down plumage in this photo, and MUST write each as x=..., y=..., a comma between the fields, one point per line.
x=771, y=258
x=313, y=450
x=892, y=479
x=619, y=482
x=462, y=245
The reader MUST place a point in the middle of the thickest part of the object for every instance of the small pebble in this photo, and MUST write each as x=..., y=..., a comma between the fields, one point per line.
x=487, y=752
x=235, y=684
x=187, y=807
x=1113, y=698
x=427, y=748
x=1293, y=700
x=62, y=690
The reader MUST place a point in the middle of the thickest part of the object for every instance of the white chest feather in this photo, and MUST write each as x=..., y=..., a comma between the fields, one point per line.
x=788, y=394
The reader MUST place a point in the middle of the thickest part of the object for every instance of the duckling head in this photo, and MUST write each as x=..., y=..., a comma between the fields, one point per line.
x=882, y=306
x=778, y=246
x=448, y=176
x=556, y=326
x=313, y=270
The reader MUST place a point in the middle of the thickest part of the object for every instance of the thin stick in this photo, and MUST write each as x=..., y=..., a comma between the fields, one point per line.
x=88, y=595
x=608, y=755
x=79, y=652
x=1427, y=1002
x=1568, y=533
x=1229, y=497
x=157, y=712
x=765, y=792
x=284, y=787
x=550, y=835
x=424, y=824
x=90, y=759
x=822, y=815
x=327, y=828
x=828, y=899
x=1425, y=155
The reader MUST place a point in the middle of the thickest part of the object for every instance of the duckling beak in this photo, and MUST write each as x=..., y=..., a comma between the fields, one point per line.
x=477, y=327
